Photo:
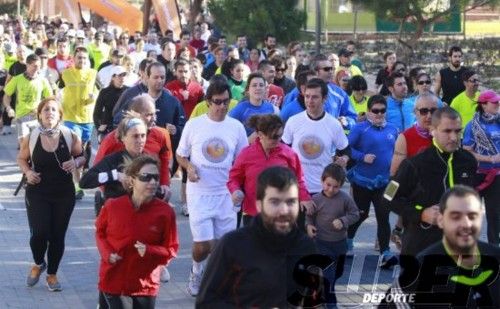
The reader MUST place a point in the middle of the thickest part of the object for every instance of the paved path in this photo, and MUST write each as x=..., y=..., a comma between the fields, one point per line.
x=78, y=269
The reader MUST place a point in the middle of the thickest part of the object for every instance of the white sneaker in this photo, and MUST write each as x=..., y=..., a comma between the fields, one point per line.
x=165, y=274
x=184, y=210
x=194, y=283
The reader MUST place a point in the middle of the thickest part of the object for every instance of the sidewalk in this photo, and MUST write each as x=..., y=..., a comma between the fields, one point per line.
x=78, y=269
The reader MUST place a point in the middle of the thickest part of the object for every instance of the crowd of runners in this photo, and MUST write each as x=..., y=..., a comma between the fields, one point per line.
x=263, y=138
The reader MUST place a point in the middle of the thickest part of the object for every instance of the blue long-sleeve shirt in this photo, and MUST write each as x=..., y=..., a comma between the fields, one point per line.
x=364, y=138
x=244, y=110
x=337, y=103
x=291, y=109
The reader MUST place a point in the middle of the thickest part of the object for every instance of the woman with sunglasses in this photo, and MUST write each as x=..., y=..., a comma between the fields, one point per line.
x=372, y=145
x=423, y=83
x=267, y=150
x=482, y=139
x=414, y=140
x=359, y=97
x=136, y=235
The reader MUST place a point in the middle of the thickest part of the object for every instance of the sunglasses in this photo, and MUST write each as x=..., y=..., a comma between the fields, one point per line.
x=378, y=111
x=221, y=101
x=424, y=82
x=327, y=69
x=474, y=81
x=281, y=70
x=345, y=80
x=146, y=177
x=425, y=111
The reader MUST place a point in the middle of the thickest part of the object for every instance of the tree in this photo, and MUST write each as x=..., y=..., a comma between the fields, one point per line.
x=255, y=18
x=421, y=14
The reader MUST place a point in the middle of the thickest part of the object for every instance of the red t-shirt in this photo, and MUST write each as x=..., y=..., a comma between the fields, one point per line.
x=275, y=95
x=194, y=94
x=415, y=142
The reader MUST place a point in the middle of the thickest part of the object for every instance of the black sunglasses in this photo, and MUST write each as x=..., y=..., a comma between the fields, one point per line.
x=280, y=69
x=327, y=69
x=424, y=110
x=378, y=111
x=423, y=82
x=221, y=101
x=146, y=177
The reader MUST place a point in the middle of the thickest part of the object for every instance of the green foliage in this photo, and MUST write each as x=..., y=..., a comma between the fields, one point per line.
x=256, y=18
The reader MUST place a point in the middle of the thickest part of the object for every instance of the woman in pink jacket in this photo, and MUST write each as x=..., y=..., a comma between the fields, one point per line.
x=267, y=150
x=136, y=235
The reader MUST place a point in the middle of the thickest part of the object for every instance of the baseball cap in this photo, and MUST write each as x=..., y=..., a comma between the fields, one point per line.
x=9, y=48
x=117, y=52
x=117, y=70
x=71, y=32
x=344, y=52
x=488, y=96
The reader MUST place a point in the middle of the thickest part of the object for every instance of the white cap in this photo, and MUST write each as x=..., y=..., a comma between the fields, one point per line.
x=71, y=32
x=117, y=70
x=80, y=34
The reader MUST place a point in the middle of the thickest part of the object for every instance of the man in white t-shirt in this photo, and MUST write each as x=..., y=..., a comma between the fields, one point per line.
x=316, y=136
x=208, y=146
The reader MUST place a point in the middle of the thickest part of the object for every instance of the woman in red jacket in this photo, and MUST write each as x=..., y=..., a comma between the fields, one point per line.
x=267, y=150
x=136, y=235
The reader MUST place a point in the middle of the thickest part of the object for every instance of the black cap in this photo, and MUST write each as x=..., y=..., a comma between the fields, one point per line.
x=117, y=53
x=41, y=51
x=345, y=52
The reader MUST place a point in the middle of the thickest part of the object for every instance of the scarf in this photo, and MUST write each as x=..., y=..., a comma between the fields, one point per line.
x=50, y=131
x=483, y=144
x=423, y=132
x=380, y=126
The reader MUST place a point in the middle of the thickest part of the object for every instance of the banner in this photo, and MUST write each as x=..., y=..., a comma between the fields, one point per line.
x=167, y=13
x=119, y=12
x=66, y=9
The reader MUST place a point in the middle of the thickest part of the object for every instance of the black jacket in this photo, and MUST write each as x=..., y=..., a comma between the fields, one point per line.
x=422, y=181
x=252, y=267
x=436, y=281
x=105, y=103
x=112, y=187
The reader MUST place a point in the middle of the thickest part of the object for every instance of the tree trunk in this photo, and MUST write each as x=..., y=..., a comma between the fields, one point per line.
x=195, y=12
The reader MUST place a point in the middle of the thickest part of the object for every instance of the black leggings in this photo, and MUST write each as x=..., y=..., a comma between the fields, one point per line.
x=48, y=218
x=363, y=198
x=130, y=302
x=491, y=197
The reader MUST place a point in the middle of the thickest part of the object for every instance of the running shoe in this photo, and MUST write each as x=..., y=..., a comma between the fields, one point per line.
x=388, y=260
x=165, y=274
x=53, y=284
x=35, y=273
x=79, y=194
x=396, y=235
x=194, y=283
x=184, y=209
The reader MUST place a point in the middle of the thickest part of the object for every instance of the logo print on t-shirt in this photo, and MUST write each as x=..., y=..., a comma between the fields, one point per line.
x=311, y=147
x=215, y=150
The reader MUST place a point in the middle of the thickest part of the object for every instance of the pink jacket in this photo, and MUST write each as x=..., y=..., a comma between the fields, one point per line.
x=252, y=161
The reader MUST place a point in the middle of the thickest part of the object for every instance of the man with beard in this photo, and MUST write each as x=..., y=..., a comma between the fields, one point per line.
x=459, y=270
x=254, y=266
x=421, y=180
x=449, y=79
x=269, y=44
x=466, y=102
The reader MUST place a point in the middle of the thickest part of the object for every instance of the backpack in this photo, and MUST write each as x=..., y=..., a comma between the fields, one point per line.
x=35, y=133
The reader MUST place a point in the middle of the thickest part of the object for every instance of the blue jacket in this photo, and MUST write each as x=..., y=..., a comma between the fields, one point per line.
x=337, y=103
x=400, y=114
x=291, y=109
x=365, y=138
x=169, y=110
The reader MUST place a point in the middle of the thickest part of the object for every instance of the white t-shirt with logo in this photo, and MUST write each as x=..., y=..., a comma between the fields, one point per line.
x=315, y=142
x=211, y=147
